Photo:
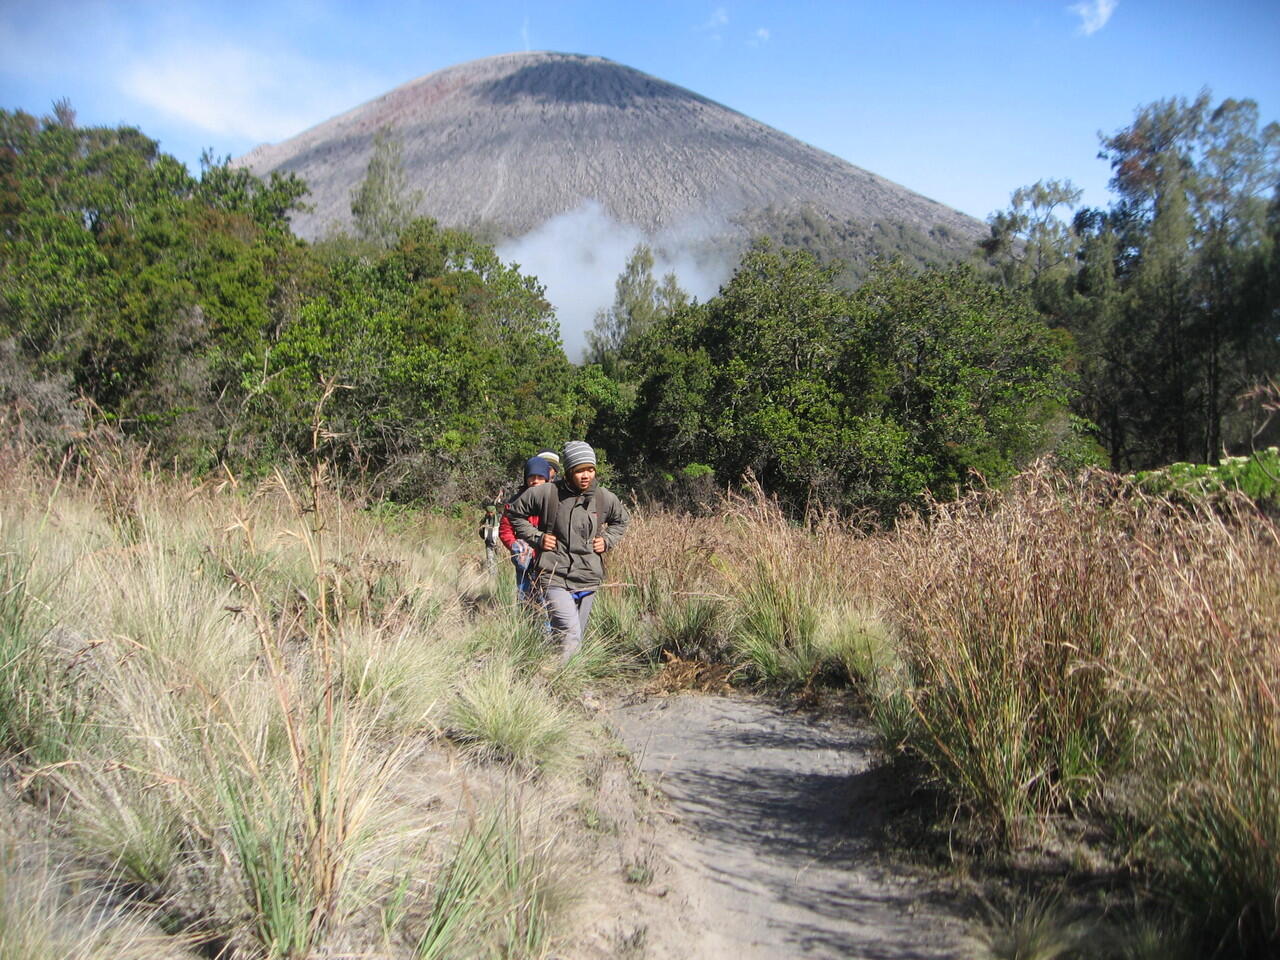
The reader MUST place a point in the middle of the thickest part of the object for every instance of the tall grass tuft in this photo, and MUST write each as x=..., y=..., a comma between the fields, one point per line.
x=1208, y=662
x=776, y=627
x=503, y=715
x=1074, y=641
x=493, y=895
x=42, y=714
x=45, y=917
x=1011, y=613
x=693, y=626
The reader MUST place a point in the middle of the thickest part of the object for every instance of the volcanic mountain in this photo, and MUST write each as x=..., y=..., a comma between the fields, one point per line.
x=508, y=142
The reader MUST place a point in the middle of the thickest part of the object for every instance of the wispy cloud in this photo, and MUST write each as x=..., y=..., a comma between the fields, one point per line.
x=155, y=60
x=229, y=90
x=719, y=18
x=524, y=34
x=712, y=26
x=579, y=254
x=760, y=37
x=1093, y=14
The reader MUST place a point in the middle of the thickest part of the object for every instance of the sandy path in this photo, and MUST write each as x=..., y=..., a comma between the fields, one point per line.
x=779, y=817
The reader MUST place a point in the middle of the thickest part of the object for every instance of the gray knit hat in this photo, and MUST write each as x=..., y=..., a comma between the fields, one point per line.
x=576, y=453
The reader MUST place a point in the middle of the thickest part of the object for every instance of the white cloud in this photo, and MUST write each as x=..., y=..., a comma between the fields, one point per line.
x=163, y=64
x=578, y=255
x=237, y=91
x=719, y=18
x=761, y=36
x=1093, y=14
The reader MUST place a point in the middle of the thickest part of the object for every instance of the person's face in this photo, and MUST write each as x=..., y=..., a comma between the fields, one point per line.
x=534, y=479
x=582, y=475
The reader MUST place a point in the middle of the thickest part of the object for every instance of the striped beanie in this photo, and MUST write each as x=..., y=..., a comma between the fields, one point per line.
x=576, y=453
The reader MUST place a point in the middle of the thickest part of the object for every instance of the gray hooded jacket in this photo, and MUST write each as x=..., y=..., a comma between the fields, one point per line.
x=576, y=519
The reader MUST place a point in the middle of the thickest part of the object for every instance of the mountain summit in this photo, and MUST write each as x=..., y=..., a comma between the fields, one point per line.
x=511, y=141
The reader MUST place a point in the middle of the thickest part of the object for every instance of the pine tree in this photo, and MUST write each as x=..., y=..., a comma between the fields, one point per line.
x=383, y=205
x=639, y=302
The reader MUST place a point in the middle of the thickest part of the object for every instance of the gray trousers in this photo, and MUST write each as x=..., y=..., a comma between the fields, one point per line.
x=568, y=618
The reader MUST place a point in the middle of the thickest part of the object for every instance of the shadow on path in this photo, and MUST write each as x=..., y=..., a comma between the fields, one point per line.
x=784, y=818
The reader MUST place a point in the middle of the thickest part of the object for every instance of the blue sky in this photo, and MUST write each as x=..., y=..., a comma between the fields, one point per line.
x=961, y=101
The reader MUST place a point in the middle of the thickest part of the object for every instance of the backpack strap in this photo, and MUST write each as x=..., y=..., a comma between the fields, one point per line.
x=551, y=511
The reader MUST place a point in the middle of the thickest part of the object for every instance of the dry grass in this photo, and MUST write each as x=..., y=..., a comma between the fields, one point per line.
x=1066, y=645
x=1072, y=638
x=213, y=685
x=214, y=690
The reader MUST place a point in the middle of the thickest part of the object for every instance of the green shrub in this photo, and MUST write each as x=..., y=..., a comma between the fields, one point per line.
x=1257, y=476
x=504, y=715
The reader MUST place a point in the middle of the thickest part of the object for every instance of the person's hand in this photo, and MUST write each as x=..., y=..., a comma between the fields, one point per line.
x=549, y=541
x=598, y=544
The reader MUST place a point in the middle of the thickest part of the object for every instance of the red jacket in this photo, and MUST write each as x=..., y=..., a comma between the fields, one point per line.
x=505, y=533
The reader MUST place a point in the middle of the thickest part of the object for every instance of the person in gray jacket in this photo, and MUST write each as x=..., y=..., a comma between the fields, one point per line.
x=578, y=521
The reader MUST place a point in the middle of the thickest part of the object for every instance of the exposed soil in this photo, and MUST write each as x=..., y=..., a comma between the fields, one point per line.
x=724, y=828
x=773, y=842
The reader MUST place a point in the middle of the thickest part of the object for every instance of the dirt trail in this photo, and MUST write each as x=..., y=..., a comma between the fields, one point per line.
x=779, y=819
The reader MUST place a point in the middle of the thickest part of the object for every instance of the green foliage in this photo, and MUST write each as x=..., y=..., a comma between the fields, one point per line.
x=447, y=362
x=867, y=398
x=189, y=316
x=150, y=290
x=1257, y=476
x=1171, y=293
x=639, y=302
x=382, y=205
x=1029, y=245
x=956, y=377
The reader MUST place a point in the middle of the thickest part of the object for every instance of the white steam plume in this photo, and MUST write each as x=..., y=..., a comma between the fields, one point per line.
x=578, y=255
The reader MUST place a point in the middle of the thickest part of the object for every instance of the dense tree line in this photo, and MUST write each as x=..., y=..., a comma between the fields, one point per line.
x=1173, y=292
x=915, y=381
x=182, y=310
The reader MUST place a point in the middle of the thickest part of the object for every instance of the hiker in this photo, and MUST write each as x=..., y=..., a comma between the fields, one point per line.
x=578, y=521
x=552, y=458
x=537, y=470
x=489, y=531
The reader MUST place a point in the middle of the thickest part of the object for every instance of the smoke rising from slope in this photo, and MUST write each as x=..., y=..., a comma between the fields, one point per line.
x=578, y=256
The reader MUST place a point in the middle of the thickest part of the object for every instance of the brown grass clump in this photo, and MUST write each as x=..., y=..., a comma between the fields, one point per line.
x=676, y=675
x=1012, y=609
x=1069, y=638
x=214, y=692
x=1068, y=644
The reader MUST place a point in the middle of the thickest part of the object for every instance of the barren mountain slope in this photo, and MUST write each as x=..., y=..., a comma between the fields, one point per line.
x=513, y=140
